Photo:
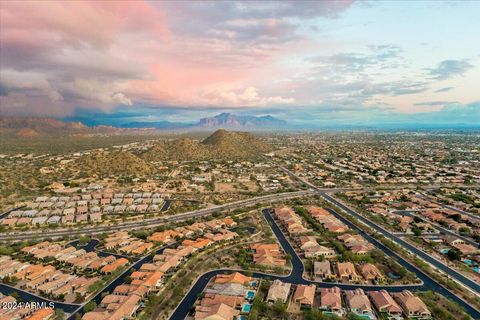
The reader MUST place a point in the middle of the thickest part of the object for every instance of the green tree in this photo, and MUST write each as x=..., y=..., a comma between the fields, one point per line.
x=454, y=254
x=90, y=306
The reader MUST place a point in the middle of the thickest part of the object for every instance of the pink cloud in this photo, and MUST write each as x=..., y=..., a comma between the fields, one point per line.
x=58, y=55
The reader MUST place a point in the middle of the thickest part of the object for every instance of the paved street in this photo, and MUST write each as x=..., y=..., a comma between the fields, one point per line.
x=296, y=276
x=153, y=221
x=440, y=228
x=445, y=206
x=436, y=263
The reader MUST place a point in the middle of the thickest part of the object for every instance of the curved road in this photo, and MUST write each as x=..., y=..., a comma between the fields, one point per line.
x=30, y=297
x=296, y=276
x=437, y=264
x=395, y=238
x=117, y=281
x=430, y=283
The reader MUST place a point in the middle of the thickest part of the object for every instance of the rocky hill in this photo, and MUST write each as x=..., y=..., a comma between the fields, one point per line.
x=221, y=144
x=116, y=163
x=32, y=127
x=235, y=144
x=228, y=120
x=220, y=121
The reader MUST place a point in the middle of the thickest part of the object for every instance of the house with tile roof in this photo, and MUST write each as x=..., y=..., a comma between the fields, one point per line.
x=359, y=304
x=385, y=304
x=278, y=291
x=322, y=270
x=331, y=300
x=413, y=306
x=235, y=277
x=220, y=311
x=304, y=295
x=371, y=273
x=346, y=272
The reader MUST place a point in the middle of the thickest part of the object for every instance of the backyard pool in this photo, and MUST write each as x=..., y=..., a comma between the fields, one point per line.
x=246, y=308
x=468, y=262
x=394, y=276
x=250, y=295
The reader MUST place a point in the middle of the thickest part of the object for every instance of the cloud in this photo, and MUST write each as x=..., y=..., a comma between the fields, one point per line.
x=246, y=98
x=435, y=103
x=58, y=56
x=13, y=80
x=447, y=69
x=377, y=56
x=444, y=89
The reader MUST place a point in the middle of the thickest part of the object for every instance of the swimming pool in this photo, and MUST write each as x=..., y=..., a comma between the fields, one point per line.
x=444, y=250
x=394, y=276
x=250, y=295
x=246, y=308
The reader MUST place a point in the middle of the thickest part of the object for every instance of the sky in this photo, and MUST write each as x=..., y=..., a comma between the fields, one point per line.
x=311, y=63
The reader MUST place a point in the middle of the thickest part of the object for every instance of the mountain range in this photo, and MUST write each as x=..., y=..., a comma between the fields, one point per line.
x=31, y=127
x=228, y=120
x=221, y=121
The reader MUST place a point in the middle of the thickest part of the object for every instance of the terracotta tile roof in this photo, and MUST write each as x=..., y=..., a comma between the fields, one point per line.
x=235, y=277
x=384, y=302
x=304, y=294
x=331, y=298
x=412, y=304
x=42, y=314
x=279, y=291
x=219, y=311
x=358, y=300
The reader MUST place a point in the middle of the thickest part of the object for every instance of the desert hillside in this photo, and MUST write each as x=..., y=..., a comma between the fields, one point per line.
x=221, y=144
x=117, y=163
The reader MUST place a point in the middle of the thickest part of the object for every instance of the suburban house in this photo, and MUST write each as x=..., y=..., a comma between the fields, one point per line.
x=304, y=295
x=359, y=304
x=331, y=300
x=322, y=270
x=413, y=306
x=346, y=272
x=371, y=273
x=384, y=303
x=278, y=291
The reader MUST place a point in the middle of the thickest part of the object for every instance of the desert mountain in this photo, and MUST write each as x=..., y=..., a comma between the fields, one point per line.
x=228, y=120
x=30, y=127
x=221, y=144
x=220, y=121
x=116, y=163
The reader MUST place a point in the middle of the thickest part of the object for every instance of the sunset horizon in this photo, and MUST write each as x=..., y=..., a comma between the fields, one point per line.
x=314, y=64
